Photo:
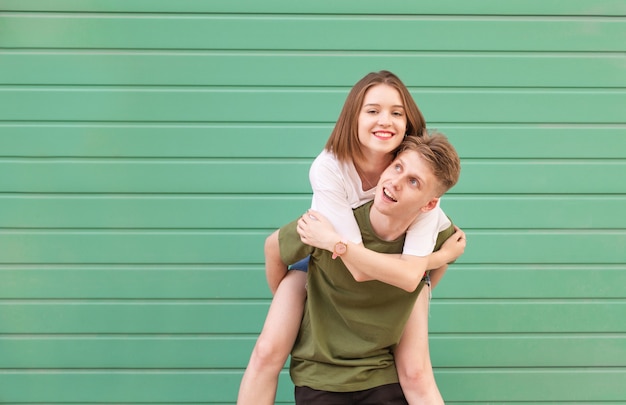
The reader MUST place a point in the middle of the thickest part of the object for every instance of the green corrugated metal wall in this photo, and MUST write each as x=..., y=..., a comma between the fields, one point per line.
x=148, y=147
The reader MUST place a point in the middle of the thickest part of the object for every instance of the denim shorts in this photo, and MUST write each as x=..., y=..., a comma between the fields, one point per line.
x=301, y=265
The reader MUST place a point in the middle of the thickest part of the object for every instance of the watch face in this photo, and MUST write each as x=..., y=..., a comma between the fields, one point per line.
x=340, y=248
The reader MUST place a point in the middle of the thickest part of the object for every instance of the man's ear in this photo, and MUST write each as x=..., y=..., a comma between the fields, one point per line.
x=431, y=204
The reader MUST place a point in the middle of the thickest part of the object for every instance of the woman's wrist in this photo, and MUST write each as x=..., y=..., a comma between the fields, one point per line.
x=332, y=241
x=438, y=259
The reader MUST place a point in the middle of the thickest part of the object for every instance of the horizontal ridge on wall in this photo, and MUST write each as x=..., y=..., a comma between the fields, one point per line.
x=161, y=211
x=391, y=7
x=474, y=385
x=298, y=105
x=246, y=247
x=21, y=175
x=247, y=317
x=257, y=140
x=285, y=69
x=223, y=282
x=232, y=351
x=311, y=32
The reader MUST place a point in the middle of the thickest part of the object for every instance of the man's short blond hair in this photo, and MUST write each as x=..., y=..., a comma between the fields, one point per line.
x=440, y=155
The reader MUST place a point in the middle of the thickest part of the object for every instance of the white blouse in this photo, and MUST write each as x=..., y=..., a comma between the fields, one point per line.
x=337, y=190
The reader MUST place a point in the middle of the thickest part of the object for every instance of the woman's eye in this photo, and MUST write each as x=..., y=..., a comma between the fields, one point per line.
x=397, y=167
x=397, y=114
x=372, y=111
x=414, y=182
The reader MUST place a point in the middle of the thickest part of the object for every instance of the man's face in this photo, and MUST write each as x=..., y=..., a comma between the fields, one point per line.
x=407, y=187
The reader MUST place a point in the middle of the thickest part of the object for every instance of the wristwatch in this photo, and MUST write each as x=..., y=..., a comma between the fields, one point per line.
x=340, y=248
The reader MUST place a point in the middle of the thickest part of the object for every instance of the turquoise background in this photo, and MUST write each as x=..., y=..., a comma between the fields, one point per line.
x=147, y=148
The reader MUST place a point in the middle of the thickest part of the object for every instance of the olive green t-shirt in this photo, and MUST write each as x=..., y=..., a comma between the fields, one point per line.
x=349, y=329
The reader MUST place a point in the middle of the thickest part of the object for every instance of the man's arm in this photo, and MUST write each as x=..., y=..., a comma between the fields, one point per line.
x=412, y=356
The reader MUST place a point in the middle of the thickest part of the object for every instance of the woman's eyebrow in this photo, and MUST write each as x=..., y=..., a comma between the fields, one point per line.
x=378, y=105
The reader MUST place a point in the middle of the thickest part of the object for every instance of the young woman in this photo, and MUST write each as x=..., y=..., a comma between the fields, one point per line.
x=378, y=113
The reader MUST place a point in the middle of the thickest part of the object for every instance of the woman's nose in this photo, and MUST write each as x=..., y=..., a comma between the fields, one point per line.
x=383, y=119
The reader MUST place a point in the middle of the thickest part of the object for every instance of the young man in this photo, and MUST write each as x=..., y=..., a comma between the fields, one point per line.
x=351, y=326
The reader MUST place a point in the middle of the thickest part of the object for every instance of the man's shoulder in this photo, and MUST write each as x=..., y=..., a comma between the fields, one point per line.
x=442, y=236
x=362, y=212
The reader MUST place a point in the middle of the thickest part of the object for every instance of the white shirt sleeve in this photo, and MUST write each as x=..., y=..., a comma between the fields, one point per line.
x=332, y=196
x=422, y=234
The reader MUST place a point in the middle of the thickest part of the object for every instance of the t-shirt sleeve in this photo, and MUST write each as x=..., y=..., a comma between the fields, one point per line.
x=291, y=247
x=422, y=234
x=443, y=236
x=331, y=198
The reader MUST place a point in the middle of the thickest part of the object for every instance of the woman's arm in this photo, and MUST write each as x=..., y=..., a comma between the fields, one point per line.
x=335, y=195
x=336, y=191
x=412, y=356
x=404, y=271
x=437, y=274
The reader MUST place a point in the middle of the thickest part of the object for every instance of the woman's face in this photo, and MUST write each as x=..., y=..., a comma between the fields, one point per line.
x=382, y=120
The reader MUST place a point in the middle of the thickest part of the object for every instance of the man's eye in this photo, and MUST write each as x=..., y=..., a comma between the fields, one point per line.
x=398, y=167
x=414, y=182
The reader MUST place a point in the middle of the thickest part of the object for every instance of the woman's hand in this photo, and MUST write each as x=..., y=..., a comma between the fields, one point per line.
x=455, y=245
x=315, y=230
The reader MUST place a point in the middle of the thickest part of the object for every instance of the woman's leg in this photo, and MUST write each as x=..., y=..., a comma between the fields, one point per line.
x=260, y=380
x=412, y=356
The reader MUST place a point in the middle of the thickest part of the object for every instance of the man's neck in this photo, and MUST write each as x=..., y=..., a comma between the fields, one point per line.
x=389, y=228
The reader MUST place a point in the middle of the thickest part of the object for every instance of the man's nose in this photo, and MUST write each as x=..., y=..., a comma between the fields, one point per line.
x=395, y=182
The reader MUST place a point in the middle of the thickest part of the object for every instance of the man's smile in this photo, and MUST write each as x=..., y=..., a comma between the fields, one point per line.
x=387, y=194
